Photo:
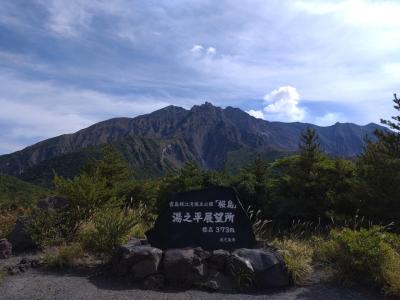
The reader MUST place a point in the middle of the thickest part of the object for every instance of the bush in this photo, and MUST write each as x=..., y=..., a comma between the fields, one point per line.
x=65, y=256
x=48, y=228
x=85, y=193
x=2, y=275
x=365, y=256
x=109, y=228
x=7, y=223
x=298, y=258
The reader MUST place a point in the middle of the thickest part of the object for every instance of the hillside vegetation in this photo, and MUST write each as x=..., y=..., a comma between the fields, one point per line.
x=17, y=193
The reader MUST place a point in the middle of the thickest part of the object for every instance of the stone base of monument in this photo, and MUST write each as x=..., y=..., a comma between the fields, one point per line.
x=217, y=270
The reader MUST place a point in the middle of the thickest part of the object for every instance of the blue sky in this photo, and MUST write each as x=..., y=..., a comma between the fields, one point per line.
x=65, y=65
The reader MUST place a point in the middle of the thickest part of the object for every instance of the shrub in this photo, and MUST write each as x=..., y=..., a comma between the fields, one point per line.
x=65, y=256
x=365, y=256
x=48, y=228
x=298, y=258
x=85, y=193
x=7, y=223
x=2, y=275
x=109, y=228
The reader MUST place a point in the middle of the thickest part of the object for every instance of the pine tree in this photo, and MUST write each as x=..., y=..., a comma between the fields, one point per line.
x=309, y=145
x=112, y=166
x=378, y=170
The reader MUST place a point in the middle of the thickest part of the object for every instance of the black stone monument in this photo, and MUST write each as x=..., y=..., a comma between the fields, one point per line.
x=211, y=218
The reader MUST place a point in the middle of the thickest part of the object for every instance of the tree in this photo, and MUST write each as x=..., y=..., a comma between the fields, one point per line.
x=307, y=185
x=309, y=145
x=112, y=166
x=252, y=186
x=378, y=172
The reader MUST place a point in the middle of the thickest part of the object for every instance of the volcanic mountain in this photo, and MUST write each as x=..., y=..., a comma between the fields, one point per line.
x=164, y=140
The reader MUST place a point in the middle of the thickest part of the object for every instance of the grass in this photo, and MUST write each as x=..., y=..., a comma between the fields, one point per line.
x=298, y=257
x=64, y=256
x=363, y=256
x=3, y=275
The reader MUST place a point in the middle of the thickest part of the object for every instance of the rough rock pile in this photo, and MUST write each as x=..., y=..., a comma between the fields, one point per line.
x=222, y=270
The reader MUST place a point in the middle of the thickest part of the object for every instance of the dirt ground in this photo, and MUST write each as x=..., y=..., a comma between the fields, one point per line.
x=45, y=284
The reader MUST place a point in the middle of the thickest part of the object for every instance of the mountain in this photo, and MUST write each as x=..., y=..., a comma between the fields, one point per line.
x=165, y=139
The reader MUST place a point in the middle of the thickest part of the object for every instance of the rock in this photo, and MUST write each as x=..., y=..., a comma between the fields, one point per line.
x=242, y=272
x=154, y=282
x=144, y=242
x=24, y=265
x=218, y=259
x=135, y=260
x=20, y=238
x=211, y=285
x=5, y=249
x=268, y=265
x=225, y=282
x=184, y=267
x=53, y=202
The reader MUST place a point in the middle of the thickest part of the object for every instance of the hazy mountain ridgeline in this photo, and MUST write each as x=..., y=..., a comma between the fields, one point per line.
x=165, y=139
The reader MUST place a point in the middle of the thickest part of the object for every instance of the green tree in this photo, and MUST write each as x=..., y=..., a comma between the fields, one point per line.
x=378, y=172
x=112, y=166
x=190, y=177
x=309, y=185
x=98, y=182
x=252, y=186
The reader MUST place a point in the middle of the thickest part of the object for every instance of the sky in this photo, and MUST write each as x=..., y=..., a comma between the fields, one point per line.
x=65, y=65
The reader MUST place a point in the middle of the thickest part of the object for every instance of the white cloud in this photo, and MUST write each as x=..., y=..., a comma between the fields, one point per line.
x=328, y=119
x=197, y=49
x=45, y=109
x=211, y=51
x=258, y=114
x=284, y=105
x=200, y=50
x=68, y=18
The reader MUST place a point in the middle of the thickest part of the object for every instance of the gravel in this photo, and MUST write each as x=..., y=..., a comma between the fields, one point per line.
x=41, y=284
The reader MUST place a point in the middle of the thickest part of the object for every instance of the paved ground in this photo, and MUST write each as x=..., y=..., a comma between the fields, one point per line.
x=39, y=284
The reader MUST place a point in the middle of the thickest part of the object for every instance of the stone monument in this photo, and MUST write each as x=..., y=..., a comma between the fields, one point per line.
x=211, y=218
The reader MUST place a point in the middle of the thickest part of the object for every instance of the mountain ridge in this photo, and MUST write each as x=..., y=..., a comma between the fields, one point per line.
x=206, y=134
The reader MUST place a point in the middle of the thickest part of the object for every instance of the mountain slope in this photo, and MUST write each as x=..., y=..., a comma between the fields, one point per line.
x=15, y=192
x=165, y=139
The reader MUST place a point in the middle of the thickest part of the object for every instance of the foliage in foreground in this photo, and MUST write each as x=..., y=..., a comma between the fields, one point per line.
x=298, y=256
x=64, y=256
x=109, y=228
x=365, y=256
x=2, y=275
x=7, y=223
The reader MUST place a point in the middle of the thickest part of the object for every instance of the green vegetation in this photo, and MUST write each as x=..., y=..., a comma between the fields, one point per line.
x=364, y=256
x=2, y=275
x=110, y=228
x=298, y=257
x=17, y=193
x=64, y=256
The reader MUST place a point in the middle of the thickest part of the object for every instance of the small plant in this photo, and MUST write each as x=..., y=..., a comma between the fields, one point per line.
x=2, y=275
x=259, y=225
x=109, y=228
x=64, y=257
x=365, y=256
x=298, y=257
x=243, y=277
x=7, y=222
